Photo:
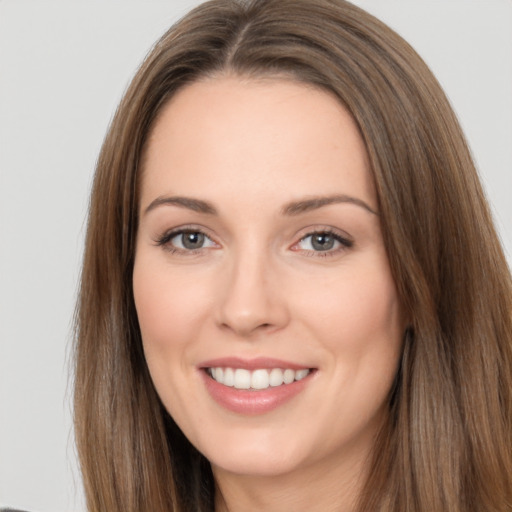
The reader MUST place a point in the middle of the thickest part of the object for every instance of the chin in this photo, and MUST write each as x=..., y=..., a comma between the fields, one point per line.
x=261, y=456
x=260, y=464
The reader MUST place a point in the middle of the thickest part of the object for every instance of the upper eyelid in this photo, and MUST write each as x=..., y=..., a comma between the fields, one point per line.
x=312, y=230
x=335, y=235
x=171, y=233
x=345, y=243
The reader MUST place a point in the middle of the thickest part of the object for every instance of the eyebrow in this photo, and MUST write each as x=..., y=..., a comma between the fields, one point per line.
x=290, y=209
x=307, y=205
x=197, y=205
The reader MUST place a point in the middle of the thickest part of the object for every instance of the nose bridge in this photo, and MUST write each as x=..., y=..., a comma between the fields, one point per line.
x=251, y=299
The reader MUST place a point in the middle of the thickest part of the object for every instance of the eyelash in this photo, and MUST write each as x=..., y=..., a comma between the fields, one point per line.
x=164, y=242
x=345, y=243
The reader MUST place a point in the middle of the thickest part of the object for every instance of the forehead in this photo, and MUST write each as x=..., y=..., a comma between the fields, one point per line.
x=274, y=137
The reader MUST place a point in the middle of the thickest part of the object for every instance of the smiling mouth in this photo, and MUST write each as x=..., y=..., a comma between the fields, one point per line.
x=259, y=379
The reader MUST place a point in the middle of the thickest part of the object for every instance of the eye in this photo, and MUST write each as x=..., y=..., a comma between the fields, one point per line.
x=190, y=240
x=323, y=241
x=185, y=240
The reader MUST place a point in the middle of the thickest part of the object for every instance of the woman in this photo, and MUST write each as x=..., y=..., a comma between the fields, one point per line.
x=293, y=296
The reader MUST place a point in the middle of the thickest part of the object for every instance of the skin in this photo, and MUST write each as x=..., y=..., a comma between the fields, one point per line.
x=258, y=287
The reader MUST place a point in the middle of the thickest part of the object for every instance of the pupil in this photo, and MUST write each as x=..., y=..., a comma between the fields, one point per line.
x=322, y=242
x=192, y=240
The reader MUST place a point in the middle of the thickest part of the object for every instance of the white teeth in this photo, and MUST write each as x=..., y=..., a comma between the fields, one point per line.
x=229, y=377
x=242, y=379
x=276, y=377
x=256, y=379
x=218, y=374
x=259, y=379
x=288, y=376
x=300, y=374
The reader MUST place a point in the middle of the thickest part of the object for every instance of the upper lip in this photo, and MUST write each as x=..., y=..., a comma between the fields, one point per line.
x=251, y=364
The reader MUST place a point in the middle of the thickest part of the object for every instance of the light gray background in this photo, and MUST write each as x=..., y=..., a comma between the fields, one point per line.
x=63, y=68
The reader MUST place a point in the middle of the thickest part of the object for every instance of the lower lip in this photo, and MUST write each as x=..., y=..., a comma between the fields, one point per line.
x=253, y=402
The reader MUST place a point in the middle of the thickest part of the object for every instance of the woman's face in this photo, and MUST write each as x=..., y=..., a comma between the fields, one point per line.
x=269, y=317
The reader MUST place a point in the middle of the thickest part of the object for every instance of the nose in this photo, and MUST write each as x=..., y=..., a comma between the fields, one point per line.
x=252, y=299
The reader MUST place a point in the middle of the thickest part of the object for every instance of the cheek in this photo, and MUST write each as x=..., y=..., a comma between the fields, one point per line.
x=171, y=310
x=356, y=319
x=354, y=308
x=166, y=299
x=357, y=322
x=170, y=306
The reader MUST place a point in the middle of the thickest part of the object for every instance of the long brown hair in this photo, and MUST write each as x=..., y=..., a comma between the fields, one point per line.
x=447, y=444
